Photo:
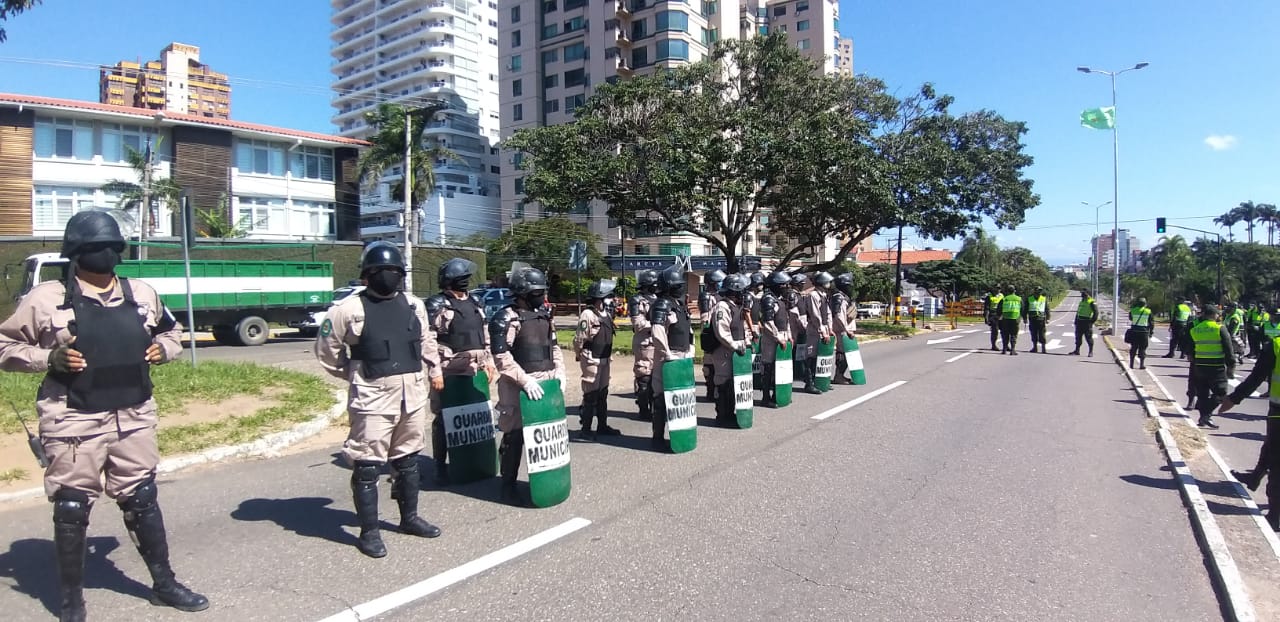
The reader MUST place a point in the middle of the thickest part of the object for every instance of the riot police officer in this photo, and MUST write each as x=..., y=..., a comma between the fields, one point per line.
x=380, y=342
x=642, y=340
x=462, y=345
x=593, y=345
x=523, y=340
x=818, y=325
x=711, y=283
x=775, y=329
x=842, y=322
x=730, y=330
x=797, y=304
x=672, y=340
x=95, y=339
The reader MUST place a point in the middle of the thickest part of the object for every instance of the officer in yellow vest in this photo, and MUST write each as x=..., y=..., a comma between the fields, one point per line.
x=1211, y=364
x=1086, y=315
x=1010, y=314
x=1256, y=317
x=1037, y=318
x=1179, y=319
x=991, y=312
x=1269, y=456
x=1139, y=332
x=1271, y=327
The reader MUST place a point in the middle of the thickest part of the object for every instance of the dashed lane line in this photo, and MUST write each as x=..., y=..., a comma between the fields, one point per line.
x=960, y=356
x=858, y=400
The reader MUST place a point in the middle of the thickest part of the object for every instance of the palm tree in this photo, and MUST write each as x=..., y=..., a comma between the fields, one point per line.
x=1267, y=214
x=1228, y=220
x=387, y=149
x=980, y=250
x=1247, y=213
x=164, y=191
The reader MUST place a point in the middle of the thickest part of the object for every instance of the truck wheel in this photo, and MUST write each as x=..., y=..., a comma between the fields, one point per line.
x=253, y=331
x=225, y=335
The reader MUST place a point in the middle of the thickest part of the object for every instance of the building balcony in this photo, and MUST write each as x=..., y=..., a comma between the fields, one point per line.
x=622, y=8
x=341, y=33
x=340, y=46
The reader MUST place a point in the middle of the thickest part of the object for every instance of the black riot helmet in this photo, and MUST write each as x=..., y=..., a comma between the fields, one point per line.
x=713, y=279
x=528, y=281
x=823, y=279
x=798, y=281
x=672, y=282
x=601, y=289
x=647, y=281
x=778, y=282
x=757, y=280
x=380, y=255
x=734, y=286
x=844, y=283
x=455, y=274
x=91, y=228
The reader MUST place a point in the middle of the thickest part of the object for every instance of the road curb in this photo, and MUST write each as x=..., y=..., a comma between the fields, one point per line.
x=1208, y=535
x=268, y=446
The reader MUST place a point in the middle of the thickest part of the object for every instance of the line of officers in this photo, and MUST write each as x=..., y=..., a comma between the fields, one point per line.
x=1005, y=313
x=390, y=347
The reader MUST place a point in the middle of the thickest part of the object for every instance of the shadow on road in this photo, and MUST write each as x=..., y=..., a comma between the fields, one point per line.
x=1163, y=483
x=1243, y=416
x=306, y=516
x=30, y=563
x=1247, y=436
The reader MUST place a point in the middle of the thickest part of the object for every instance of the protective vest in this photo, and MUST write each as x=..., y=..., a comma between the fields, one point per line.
x=1275, y=374
x=1238, y=316
x=1182, y=314
x=466, y=330
x=1011, y=307
x=1140, y=316
x=601, y=345
x=993, y=303
x=1207, y=336
x=1037, y=305
x=1272, y=330
x=533, y=344
x=391, y=340
x=736, y=328
x=771, y=310
x=680, y=334
x=114, y=342
x=1085, y=310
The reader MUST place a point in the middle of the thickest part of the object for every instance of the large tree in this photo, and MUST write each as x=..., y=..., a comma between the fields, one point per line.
x=387, y=150
x=952, y=279
x=10, y=8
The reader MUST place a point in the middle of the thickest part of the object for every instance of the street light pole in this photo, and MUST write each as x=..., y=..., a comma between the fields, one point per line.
x=1097, y=236
x=1115, y=185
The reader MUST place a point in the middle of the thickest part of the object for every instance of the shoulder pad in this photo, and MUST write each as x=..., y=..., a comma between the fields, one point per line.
x=768, y=308
x=498, y=331
x=659, y=312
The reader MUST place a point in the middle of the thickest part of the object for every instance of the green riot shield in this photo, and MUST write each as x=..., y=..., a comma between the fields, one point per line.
x=546, y=445
x=744, y=389
x=853, y=358
x=826, y=364
x=681, y=404
x=468, y=428
x=784, y=378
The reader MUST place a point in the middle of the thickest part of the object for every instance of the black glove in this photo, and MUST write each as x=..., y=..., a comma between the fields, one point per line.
x=59, y=361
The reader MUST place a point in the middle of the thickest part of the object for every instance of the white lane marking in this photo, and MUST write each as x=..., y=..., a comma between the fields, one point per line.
x=854, y=402
x=943, y=340
x=1235, y=382
x=447, y=578
x=970, y=332
x=1156, y=340
x=960, y=356
x=1054, y=344
x=1068, y=334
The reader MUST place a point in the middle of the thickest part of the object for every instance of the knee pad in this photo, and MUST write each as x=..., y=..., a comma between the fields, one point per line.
x=71, y=506
x=365, y=471
x=143, y=497
x=406, y=464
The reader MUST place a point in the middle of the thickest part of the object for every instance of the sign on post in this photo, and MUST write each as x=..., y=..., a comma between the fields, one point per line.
x=578, y=255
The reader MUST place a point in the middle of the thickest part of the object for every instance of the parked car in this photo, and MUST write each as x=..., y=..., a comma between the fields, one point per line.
x=494, y=298
x=311, y=326
x=869, y=310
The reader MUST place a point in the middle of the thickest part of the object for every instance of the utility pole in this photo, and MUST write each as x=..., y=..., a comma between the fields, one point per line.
x=408, y=206
x=440, y=219
x=144, y=210
x=897, y=279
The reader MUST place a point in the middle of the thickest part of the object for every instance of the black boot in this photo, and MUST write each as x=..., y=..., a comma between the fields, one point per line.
x=658, y=440
x=70, y=524
x=810, y=373
x=602, y=415
x=364, y=495
x=769, y=392
x=1251, y=479
x=707, y=375
x=404, y=489
x=509, y=463
x=644, y=398
x=143, y=519
x=440, y=451
x=585, y=415
x=729, y=401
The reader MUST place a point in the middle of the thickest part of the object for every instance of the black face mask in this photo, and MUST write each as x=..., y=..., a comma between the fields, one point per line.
x=385, y=282
x=535, y=300
x=101, y=261
x=460, y=285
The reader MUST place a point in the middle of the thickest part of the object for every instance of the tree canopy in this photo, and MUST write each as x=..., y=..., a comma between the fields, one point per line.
x=10, y=8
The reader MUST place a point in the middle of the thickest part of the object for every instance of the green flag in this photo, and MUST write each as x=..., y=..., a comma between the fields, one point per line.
x=1099, y=118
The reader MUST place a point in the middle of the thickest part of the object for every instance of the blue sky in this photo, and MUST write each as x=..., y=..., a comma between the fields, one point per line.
x=1213, y=79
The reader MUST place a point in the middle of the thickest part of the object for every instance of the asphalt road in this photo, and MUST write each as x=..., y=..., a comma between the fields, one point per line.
x=984, y=488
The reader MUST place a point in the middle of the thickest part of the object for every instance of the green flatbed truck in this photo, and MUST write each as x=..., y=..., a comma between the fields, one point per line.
x=235, y=300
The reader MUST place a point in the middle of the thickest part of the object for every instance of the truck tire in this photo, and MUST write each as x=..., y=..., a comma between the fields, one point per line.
x=252, y=331
x=225, y=335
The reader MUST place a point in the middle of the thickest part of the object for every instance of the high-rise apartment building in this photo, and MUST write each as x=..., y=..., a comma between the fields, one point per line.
x=554, y=52
x=1104, y=250
x=176, y=82
x=414, y=53
x=813, y=26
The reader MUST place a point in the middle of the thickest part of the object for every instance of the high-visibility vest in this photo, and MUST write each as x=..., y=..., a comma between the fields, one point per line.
x=1272, y=330
x=1275, y=375
x=1011, y=307
x=1207, y=336
x=1255, y=317
x=1037, y=305
x=1140, y=316
x=1085, y=310
x=1237, y=321
x=1182, y=314
x=993, y=302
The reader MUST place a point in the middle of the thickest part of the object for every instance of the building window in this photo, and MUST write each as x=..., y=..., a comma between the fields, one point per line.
x=673, y=50
x=709, y=8
x=517, y=112
x=63, y=138
x=311, y=163
x=639, y=57
x=637, y=30
x=53, y=206
x=803, y=44
x=495, y=170
x=672, y=20
x=575, y=24
x=551, y=81
x=642, y=249
x=515, y=38
x=577, y=51
x=782, y=28
x=615, y=250
x=517, y=87
x=779, y=11
x=551, y=105
x=548, y=6
x=259, y=157
x=550, y=30
x=802, y=6
x=550, y=56
x=572, y=102
x=515, y=64
x=710, y=36
x=802, y=25
x=277, y=216
x=575, y=77
x=570, y=5
x=763, y=30
x=520, y=185
x=515, y=14
x=675, y=249
x=118, y=139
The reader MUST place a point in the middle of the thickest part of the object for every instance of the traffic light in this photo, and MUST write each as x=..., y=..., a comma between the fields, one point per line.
x=1160, y=225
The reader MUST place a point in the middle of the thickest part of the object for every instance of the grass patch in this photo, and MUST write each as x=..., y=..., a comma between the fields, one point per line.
x=12, y=475
x=885, y=328
x=300, y=396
